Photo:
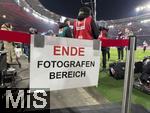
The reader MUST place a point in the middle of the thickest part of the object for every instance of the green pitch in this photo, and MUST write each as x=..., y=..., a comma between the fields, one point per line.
x=112, y=89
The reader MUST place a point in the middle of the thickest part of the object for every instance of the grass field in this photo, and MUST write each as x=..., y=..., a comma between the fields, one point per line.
x=112, y=89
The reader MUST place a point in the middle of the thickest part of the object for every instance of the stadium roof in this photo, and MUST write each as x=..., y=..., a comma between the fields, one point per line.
x=23, y=16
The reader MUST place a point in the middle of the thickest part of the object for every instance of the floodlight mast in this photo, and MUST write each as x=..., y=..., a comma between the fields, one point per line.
x=92, y=4
x=95, y=10
x=142, y=8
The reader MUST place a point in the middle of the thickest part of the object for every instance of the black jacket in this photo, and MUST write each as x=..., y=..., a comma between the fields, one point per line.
x=67, y=32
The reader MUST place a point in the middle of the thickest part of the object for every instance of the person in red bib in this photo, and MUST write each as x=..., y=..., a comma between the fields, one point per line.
x=103, y=28
x=84, y=25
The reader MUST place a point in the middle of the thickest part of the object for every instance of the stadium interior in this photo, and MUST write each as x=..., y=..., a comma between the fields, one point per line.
x=26, y=14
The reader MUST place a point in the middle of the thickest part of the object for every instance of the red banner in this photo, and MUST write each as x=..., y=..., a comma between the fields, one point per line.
x=15, y=36
x=12, y=36
x=115, y=43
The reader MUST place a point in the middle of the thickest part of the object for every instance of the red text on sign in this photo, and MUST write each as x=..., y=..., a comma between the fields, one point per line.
x=68, y=51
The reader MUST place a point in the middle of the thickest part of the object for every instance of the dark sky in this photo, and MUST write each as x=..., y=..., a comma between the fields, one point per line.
x=106, y=9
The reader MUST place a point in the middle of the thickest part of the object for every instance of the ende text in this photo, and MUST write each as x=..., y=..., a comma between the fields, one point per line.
x=69, y=51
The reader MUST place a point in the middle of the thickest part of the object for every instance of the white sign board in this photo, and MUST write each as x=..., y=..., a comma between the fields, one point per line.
x=62, y=63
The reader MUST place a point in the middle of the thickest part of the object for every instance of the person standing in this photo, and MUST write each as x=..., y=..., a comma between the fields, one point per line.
x=9, y=47
x=120, y=49
x=65, y=30
x=105, y=50
x=144, y=46
x=84, y=25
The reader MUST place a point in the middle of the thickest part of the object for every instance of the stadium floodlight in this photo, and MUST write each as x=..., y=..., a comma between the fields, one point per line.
x=138, y=9
x=18, y=2
x=35, y=15
x=140, y=30
x=45, y=19
x=129, y=24
x=148, y=6
x=145, y=21
x=52, y=21
x=26, y=9
x=41, y=17
x=4, y=16
x=143, y=8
